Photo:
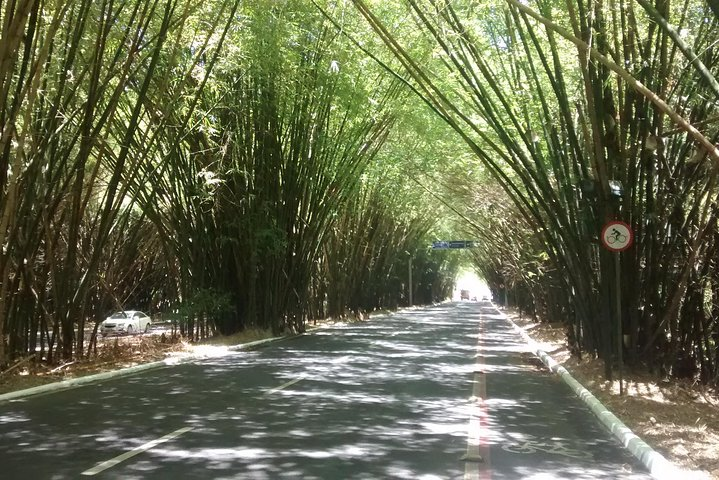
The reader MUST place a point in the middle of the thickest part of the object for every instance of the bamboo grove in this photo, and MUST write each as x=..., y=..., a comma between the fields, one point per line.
x=260, y=164
x=581, y=113
x=213, y=160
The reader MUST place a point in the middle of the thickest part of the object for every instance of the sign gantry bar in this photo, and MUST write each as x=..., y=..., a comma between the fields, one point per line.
x=453, y=244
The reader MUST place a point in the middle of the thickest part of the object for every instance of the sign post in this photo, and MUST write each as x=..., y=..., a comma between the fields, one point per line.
x=618, y=236
x=411, y=300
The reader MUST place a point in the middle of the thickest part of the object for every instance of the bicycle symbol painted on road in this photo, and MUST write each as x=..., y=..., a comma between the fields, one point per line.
x=554, y=447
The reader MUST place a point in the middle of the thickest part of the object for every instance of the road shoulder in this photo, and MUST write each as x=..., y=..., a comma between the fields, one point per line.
x=683, y=432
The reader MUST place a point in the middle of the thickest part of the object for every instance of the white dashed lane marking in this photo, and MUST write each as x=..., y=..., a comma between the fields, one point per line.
x=284, y=385
x=101, y=467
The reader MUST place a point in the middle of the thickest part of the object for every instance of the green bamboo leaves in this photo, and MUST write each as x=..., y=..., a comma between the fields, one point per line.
x=630, y=103
x=79, y=138
x=211, y=161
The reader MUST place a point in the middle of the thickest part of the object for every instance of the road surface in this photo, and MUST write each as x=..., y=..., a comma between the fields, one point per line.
x=445, y=392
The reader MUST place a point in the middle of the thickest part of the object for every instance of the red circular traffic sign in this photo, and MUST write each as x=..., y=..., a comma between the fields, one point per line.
x=617, y=236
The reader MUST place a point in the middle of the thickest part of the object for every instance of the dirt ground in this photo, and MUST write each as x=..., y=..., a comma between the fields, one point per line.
x=680, y=420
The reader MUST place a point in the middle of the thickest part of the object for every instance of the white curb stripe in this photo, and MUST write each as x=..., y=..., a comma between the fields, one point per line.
x=659, y=467
x=88, y=379
x=76, y=382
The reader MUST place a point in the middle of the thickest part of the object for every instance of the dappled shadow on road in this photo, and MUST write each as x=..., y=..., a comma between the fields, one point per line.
x=389, y=398
x=538, y=428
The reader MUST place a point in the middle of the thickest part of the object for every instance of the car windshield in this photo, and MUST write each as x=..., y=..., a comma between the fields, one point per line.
x=118, y=315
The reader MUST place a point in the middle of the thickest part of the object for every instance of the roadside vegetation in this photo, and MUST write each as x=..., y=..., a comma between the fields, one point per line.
x=242, y=166
x=578, y=114
x=218, y=163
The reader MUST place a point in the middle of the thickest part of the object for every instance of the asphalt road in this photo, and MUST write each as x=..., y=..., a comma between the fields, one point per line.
x=447, y=392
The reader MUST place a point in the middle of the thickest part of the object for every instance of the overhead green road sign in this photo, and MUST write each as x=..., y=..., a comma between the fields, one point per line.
x=453, y=244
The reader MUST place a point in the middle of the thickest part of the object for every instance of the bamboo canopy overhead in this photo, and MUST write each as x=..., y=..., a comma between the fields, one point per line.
x=239, y=165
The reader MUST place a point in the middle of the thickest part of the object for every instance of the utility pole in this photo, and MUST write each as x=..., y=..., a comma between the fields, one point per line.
x=411, y=300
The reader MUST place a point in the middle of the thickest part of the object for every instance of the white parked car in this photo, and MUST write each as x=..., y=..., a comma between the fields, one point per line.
x=128, y=321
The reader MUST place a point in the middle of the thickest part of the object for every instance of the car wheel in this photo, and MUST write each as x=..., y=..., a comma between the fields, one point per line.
x=129, y=329
x=147, y=328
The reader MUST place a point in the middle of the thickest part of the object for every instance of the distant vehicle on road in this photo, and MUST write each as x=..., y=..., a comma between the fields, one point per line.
x=127, y=322
x=485, y=298
x=464, y=294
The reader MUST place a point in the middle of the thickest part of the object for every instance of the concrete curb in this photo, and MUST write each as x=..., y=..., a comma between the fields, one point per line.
x=123, y=372
x=255, y=344
x=98, y=377
x=659, y=467
x=76, y=382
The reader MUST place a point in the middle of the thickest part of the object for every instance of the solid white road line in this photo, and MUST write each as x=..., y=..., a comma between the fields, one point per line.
x=285, y=385
x=135, y=451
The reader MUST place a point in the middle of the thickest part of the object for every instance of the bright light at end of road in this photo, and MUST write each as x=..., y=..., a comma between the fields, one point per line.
x=467, y=280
